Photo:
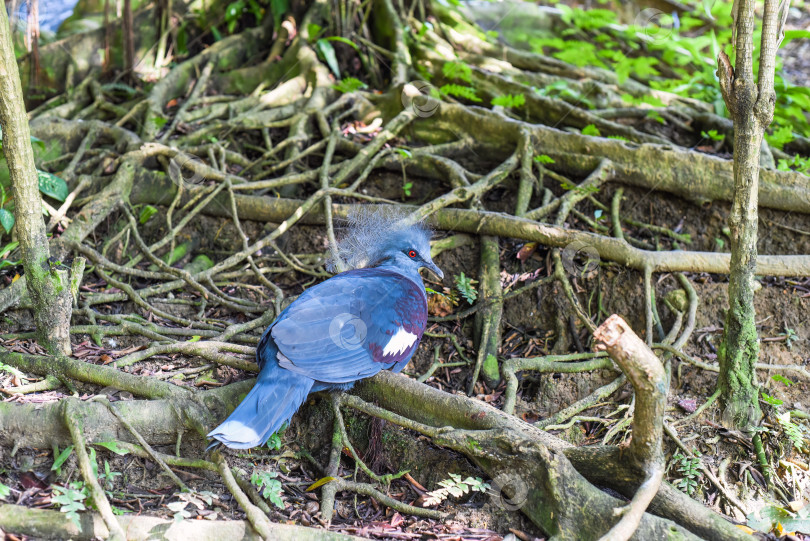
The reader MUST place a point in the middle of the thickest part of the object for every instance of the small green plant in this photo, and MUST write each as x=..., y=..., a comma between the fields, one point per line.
x=510, y=101
x=349, y=84
x=590, y=129
x=466, y=286
x=797, y=163
x=454, y=486
x=460, y=91
x=147, y=212
x=689, y=467
x=544, y=159
x=457, y=70
x=71, y=500
x=780, y=137
x=268, y=486
x=108, y=477
x=406, y=188
x=5, y=491
x=713, y=135
x=792, y=430
x=790, y=337
x=770, y=400
x=274, y=442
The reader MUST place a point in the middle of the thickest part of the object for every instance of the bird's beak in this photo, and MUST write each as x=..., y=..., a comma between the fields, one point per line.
x=431, y=266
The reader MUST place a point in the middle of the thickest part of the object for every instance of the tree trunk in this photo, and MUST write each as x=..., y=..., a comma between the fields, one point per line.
x=751, y=106
x=49, y=287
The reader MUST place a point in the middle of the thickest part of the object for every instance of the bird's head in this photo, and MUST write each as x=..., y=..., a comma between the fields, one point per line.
x=385, y=238
x=409, y=249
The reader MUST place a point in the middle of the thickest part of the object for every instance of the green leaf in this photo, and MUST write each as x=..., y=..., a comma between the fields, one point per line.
x=509, y=100
x=63, y=456
x=466, y=286
x=6, y=220
x=278, y=8
x=195, y=338
x=313, y=30
x=460, y=91
x=349, y=84
x=457, y=70
x=343, y=40
x=52, y=186
x=782, y=379
x=4, y=491
x=544, y=158
x=713, y=135
x=768, y=399
x=38, y=142
x=113, y=446
x=795, y=34
x=771, y=516
x=147, y=212
x=326, y=51
x=780, y=137
x=8, y=248
x=591, y=129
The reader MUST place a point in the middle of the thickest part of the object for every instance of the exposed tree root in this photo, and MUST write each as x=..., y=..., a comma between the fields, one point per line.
x=44, y=524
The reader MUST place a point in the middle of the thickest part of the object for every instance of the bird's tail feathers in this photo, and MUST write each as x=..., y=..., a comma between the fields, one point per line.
x=275, y=398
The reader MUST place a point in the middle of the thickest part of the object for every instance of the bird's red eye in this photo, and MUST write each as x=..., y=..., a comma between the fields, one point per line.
x=411, y=253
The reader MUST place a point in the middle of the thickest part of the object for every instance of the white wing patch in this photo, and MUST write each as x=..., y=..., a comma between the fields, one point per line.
x=401, y=341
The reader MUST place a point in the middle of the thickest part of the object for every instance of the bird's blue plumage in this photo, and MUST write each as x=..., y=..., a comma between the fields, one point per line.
x=336, y=333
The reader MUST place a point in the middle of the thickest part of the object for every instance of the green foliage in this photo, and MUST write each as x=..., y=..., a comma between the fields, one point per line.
x=466, y=286
x=797, y=163
x=782, y=379
x=587, y=20
x=268, y=486
x=327, y=53
x=544, y=159
x=108, y=477
x=654, y=115
x=780, y=137
x=63, y=456
x=790, y=337
x=71, y=500
x=454, y=486
x=52, y=186
x=776, y=517
x=768, y=399
x=460, y=91
x=561, y=90
x=689, y=468
x=5, y=491
x=508, y=100
x=713, y=135
x=278, y=8
x=792, y=430
x=274, y=442
x=407, y=186
x=591, y=129
x=6, y=220
x=349, y=84
x=457, y=70
x=147, y=212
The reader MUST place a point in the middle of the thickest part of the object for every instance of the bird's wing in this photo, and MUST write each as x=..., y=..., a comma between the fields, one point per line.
x=352, y=326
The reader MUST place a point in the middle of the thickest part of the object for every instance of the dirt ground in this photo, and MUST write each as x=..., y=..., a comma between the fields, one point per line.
x=529, y=330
